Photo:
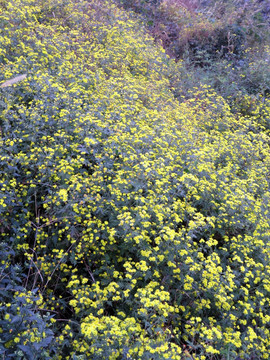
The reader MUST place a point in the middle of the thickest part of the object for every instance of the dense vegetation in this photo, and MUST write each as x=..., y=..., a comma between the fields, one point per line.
x=134, y=197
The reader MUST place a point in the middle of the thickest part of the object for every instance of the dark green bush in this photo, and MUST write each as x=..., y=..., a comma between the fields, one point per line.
x=25, y=331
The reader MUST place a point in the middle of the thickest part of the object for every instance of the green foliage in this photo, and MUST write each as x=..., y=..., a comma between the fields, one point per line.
x=24, y=331
x=222, y=44
x=215, y=27
x=134, y=225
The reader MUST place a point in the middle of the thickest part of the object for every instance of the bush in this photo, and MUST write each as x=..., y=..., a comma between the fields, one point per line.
x=134, y=225
x=25, y=333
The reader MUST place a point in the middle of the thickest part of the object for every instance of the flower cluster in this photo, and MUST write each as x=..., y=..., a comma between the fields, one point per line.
x=140, y=223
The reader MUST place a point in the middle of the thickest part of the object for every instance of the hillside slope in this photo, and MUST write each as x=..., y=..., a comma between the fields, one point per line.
x=133, y=225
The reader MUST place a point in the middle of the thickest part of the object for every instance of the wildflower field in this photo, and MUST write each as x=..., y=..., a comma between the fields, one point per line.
x=134, y=196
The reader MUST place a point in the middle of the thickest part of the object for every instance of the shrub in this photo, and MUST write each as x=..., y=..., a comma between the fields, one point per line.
x=135, y=225
x=25, y=333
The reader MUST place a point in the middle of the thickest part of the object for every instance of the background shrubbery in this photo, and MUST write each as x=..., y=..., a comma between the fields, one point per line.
x=134, y=189
x=224, y=44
